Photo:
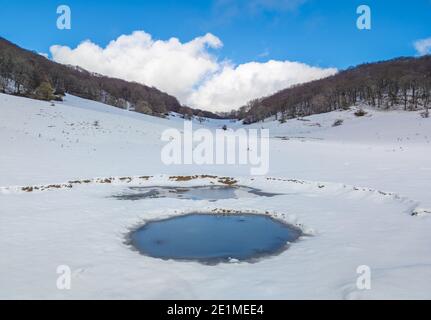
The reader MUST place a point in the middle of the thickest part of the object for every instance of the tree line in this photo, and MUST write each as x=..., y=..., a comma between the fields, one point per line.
x=400, y=83
x=26, y=73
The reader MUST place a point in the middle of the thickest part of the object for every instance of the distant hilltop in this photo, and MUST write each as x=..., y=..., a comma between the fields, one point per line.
x=29, y=74
x=402, y=83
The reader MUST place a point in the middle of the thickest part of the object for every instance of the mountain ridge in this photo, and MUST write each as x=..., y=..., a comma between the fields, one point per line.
x=403, y=81
x=23, y=71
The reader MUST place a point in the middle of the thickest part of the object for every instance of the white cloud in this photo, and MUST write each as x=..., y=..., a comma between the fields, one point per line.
x=43, y=54
x=234, y=86
x=423, y=46
x=187, y=70
x=169, y=65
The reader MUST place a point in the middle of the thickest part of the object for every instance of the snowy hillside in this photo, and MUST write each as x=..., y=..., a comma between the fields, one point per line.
x=351, y=188
x=77, y=138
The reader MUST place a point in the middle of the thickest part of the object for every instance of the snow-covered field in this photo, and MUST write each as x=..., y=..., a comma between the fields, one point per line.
x=351, y=188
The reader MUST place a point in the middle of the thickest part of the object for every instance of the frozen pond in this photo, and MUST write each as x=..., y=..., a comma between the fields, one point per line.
x=211, y=193
x=211, y=238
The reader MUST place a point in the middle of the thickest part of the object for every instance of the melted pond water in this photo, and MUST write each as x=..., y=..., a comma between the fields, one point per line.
x=211, y=193
x=213, y=238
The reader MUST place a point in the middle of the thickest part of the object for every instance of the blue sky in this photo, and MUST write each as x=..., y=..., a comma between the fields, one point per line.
x=316, y=32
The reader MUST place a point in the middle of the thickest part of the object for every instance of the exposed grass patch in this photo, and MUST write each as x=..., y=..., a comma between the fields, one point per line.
x=227, y=181
x=360, y=113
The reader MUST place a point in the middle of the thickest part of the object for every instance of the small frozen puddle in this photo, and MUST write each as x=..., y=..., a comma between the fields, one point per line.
x=210, y=238
x=211, y=193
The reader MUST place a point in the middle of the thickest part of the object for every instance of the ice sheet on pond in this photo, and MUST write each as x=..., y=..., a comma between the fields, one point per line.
x=210, y=193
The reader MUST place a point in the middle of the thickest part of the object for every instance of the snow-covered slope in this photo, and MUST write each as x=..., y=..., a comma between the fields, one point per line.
x=387, y=150
x=79, y=138
x=352, y=188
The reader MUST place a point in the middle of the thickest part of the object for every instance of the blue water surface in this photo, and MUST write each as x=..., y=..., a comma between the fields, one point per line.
x=213, y=238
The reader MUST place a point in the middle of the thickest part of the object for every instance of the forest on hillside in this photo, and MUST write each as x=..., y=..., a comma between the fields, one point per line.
x=26, y=73
x=399, y=83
